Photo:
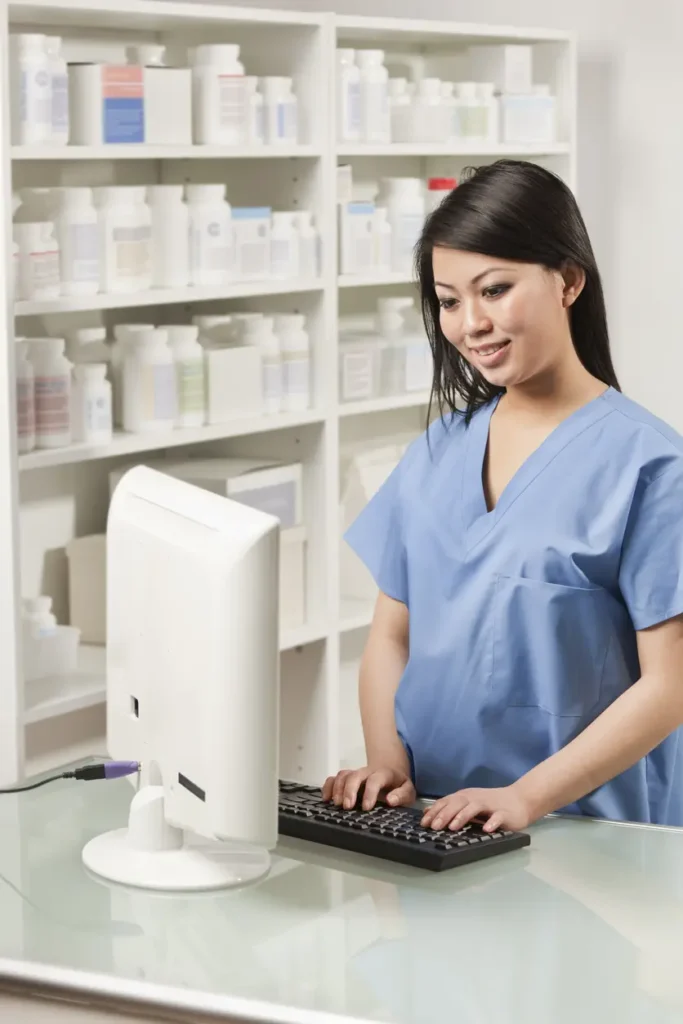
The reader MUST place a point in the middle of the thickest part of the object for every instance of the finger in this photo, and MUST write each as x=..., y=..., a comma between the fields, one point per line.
x=352, y=784
x=338, y=787
x=402, y=795
x=432, y=812
x=327, y=787
x=496, y=821
x=373, y=785
x=465, y=815
x=453, y=807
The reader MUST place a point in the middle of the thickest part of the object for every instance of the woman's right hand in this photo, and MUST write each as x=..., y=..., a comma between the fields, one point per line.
x=397, y=787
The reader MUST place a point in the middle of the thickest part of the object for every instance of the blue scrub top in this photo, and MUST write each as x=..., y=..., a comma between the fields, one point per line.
x=523, y=620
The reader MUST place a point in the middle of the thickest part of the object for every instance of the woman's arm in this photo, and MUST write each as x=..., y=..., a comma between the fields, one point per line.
x=625, y=732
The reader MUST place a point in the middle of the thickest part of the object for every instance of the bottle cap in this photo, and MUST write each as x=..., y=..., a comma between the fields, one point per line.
x=441, y=184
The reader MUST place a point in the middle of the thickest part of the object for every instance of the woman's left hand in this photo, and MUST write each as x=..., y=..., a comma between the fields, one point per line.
x=500, y=808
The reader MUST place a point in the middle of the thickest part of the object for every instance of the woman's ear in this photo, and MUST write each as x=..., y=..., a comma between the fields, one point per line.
x=574, y=278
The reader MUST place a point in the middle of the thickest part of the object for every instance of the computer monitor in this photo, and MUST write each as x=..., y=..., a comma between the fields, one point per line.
x=192, y=685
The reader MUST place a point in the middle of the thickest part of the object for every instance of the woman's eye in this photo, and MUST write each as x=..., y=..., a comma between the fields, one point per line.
x=494, y=291
x=448, y=303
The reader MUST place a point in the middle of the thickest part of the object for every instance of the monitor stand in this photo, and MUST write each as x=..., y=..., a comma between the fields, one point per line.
x=151, y=854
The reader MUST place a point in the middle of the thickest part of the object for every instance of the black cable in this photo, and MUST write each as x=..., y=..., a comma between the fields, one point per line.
x=36, y=785
x=109, y=770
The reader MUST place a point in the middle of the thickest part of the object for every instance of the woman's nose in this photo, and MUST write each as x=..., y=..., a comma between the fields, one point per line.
x=475, y=321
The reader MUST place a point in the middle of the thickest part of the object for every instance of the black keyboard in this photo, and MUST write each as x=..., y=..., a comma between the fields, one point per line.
x=392, y=833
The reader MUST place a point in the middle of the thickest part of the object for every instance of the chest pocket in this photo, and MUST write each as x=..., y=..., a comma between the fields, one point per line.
x=549, y=646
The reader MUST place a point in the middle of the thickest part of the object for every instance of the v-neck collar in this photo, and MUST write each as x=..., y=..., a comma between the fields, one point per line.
x=476, y=519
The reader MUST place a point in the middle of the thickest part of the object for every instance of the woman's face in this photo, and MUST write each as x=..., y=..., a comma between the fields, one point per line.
x=509, y=320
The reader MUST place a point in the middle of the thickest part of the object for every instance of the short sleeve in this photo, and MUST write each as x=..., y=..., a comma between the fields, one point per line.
x=651, y=571
x=376, y=536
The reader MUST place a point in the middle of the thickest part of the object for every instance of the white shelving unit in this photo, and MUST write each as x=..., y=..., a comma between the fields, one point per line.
x=48, y=497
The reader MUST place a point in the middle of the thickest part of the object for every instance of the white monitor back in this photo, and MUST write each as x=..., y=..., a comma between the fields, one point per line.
x=193, y=653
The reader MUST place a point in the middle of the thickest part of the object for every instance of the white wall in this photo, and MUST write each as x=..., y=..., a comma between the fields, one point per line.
x=630, y=162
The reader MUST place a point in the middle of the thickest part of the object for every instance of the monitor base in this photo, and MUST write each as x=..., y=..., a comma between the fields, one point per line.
x=151, y=854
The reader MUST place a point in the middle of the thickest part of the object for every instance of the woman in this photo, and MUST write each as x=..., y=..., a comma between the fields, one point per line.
x=526, y=650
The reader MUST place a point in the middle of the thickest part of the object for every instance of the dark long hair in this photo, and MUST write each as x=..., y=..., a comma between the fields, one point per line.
x=513, y=210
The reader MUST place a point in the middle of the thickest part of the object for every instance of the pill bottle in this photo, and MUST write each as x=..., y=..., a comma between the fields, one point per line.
x=88, y=345
x=123, y=337
x=431, y=115
x=404, y=200
x=401, y=117
x=219, y=94
x=348, y=97
x=238, y=325
x=26, y=410
x=146, y=55
x=188, y=358
x=374, y=91
x=37, y=616
x=256, y=112
x=260, y=334
x=31, y=90
x=170, y=236
x=52, y=392
x=92, y=404
x=59, y=87
x=125, y=226
x=295, y=349
x=281, y=111
x=39, y=271
x=309, y=244
x=382, y=238
x=78, y=234
x=437, y=190
x=149, y=383
x=284, y=245
x=211, y=235
x=251, y=233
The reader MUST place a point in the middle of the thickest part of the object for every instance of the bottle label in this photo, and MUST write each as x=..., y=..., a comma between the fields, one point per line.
x=123, y=104
x=210, y=249
x=26, y=410
x=308, y=257
x=53, y=404
x=254, y=257
x=354, y=108
x=296, y=375
x=132, y=251
x=190, y=380
x=357, y=376
x=282, y=257
x=272, y=379
x=60, y=104
x=285, y=121
x=80, y=252
x=97, y=413
x=232, y=104
x=159, y=392
x=44, y=270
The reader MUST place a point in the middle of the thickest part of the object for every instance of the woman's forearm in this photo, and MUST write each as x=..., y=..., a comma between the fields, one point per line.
x=625, y=732
x=383, y=663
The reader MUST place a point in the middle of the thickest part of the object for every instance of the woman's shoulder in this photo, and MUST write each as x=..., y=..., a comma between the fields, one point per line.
x=652, y=442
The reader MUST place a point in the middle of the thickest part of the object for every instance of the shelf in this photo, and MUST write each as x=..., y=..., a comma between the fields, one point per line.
x=450, y=149
x=412, y=401
x=61, y=695
x=355, y=614
x=167, y=296
x=376, y=281
x=309, y=633
x=148, y=152
x=133, y=444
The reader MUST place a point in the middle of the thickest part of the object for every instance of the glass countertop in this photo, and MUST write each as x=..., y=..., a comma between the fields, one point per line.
x=585, y=925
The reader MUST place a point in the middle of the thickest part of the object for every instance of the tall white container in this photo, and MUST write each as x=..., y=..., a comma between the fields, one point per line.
x=348, y=97
x=284, y=245
x=59, y=87
x=431, y=116
x=78, y=234
x=374, y=89
x=52, y=392
x=251, y=234
x=309, y=244
x=281, y=111
x=26, y=409
x=219, y=95
x=149, y=383
x=256, y=112
x=212, y=257
x=405, y=202
x=295, y=349
x=125, y=224
x=400, y=111
x=39, y=271
x=31, y=90
x=92, y=404
x=124, y=335
x=170, y=236
x=382, y=237
x=260, y=334
x=188, y=357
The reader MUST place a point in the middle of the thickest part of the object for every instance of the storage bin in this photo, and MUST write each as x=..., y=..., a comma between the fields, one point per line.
x=87, y=562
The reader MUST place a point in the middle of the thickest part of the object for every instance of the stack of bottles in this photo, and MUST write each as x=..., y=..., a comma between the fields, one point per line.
x=380, y=238
x=211, y=102
x=500, y=104
x=385, y=355
x=150, y=378
x=85, y=241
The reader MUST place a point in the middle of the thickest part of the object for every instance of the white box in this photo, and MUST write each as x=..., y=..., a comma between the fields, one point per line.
x=528, y=120
x=87, y=561
x=129, y=104
x=293, y=577
x=508, y=66
x=251, y=232
x=234, y=383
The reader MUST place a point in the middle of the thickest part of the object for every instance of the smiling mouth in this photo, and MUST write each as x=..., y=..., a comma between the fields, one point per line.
x=489, y=350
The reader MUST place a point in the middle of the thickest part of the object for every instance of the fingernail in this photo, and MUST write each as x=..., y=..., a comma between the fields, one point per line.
x=392, y=799
x=347, y=803
x=437, y=823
